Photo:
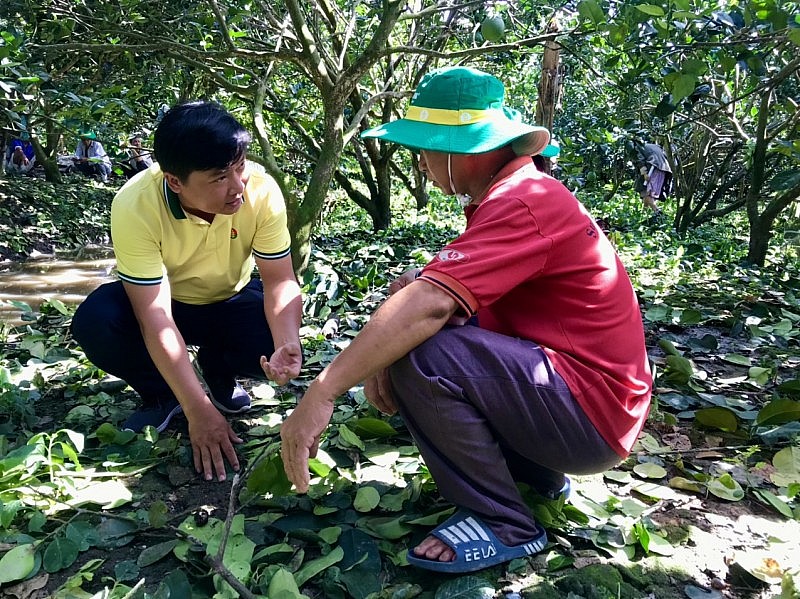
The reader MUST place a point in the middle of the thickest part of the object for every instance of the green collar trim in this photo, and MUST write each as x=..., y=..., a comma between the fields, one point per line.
x=173, y=202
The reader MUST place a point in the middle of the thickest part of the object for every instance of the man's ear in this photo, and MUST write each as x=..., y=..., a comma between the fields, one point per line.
x=174, y=182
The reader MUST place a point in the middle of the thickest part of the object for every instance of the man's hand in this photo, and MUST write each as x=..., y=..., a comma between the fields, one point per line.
x=379, y=392
x=212, y=441
x=300, y=434
x=284, y=364
x=403, y=280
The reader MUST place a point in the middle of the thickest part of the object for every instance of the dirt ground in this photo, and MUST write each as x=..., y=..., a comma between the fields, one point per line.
x=717, y=544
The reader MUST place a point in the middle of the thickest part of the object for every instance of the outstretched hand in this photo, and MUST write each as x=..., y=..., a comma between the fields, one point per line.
x=284, y=364
x=300, y=434
x=212, y=442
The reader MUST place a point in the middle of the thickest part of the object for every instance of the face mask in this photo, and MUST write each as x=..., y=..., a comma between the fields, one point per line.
x=464, y=199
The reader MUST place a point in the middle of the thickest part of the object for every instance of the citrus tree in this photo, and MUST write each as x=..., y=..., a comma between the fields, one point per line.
x=717, y=88
x=309, y=75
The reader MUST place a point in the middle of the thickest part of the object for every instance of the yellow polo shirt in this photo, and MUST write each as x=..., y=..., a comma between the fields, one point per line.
x=205, y=262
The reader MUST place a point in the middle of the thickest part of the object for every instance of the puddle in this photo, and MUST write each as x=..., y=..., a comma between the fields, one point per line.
x=69, y=280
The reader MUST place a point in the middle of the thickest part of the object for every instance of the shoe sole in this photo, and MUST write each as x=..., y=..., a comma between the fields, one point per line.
x=174, y=412
x=165, y=423
x=222, y=408
x=218, y=405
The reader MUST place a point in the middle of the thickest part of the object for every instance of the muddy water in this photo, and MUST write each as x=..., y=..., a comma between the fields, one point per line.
x=69, y=279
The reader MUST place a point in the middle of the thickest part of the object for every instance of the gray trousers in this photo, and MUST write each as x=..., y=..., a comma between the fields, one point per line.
x=486, y=411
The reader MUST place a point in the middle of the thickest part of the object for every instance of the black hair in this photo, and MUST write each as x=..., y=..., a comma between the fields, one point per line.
x=198, y=136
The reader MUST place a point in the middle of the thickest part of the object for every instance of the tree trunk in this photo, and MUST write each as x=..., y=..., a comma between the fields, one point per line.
x=50, y=165
x=304, y=216
x=761, y=227
x=382, y=214
x=549, y=89
x=378, y=203
x=418, y=188
x=760, y=234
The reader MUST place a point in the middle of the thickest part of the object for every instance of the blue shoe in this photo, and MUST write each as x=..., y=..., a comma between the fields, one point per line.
x=238, y=402
x=155, y=415
x=564, y=491
x=475, y=545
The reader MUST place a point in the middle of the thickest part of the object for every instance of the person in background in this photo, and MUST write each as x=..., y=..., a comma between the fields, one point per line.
x=187, y=235
x=515, y=356
x=655, y=174
x=138, y=157
x=21, y=155
x=90, y=157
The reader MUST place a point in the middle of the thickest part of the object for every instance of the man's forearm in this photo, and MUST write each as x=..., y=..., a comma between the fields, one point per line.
x=283, y=308
x=405, y=320
x=168, y=351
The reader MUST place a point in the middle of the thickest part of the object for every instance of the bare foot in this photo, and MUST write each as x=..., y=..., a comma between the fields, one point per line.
x=434, y=549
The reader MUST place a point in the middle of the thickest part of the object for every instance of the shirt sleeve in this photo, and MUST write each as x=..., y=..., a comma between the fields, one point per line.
x=136, y=241
x=272, y=239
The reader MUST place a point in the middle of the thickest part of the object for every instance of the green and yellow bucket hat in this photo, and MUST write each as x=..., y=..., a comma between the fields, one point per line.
x=460, y=110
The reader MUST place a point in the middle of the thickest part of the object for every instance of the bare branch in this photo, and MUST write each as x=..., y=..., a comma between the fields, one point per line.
x=223, y=25
x=359, y=116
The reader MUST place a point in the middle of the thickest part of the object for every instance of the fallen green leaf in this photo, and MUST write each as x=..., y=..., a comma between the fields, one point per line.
x=649, y=470
x=737, y=359
x=367, y=499
x=314, y=567
x=151, y=555
x=684, y=484
x=787, y=466
x=717, y=417
x=465, y=587
x=725, y=487
x=17, y=563
x=282, y=585
x=59, y=554
x=779, y=411
x=770, y=498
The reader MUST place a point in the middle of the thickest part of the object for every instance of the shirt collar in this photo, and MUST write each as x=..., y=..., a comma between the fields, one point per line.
x=173, y=202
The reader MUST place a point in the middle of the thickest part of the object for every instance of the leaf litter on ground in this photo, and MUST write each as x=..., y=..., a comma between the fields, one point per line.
x=706, y=505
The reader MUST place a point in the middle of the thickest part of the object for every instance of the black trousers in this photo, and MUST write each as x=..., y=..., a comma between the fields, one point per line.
x=231, y=337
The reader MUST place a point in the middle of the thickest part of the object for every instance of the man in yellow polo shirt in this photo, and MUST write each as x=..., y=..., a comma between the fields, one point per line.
x=187, y=233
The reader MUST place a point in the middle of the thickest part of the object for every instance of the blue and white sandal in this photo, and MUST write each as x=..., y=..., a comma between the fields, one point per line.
x=475, y=545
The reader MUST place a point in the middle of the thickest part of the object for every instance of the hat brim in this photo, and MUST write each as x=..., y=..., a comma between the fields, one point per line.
x=550, y=151
x=475, y=138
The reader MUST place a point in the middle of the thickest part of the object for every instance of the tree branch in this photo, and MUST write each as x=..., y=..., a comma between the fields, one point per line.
x=223, y=25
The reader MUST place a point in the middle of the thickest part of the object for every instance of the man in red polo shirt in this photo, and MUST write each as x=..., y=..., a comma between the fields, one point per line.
x=516, y=355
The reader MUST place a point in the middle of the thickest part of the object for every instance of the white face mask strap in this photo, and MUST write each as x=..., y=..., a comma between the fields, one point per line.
x=463, y=198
